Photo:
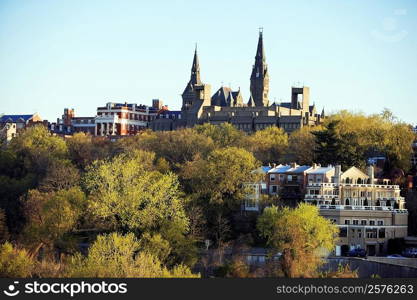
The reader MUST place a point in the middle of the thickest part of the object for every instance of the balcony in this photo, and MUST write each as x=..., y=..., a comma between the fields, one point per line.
x=361, y=208
x=381, y=186
x=107, y=119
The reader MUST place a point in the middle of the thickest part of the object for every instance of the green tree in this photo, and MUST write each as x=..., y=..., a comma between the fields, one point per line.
x=4, y=231
x=223, y=135
x=60, y=175
x=301, y=145
x=328, y=145
x=268, y=145
x=23, y=164
x=374, y=135
x=51, y=215
x=300, y=234
x=120, y=256
x=176, y=147
x=220, y=178
x=155, y=244
x=129, y=196
x=15, y=262
x=84, y=149
x=39, y=148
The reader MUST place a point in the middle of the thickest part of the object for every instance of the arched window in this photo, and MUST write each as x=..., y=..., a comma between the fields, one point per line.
x=347, y=202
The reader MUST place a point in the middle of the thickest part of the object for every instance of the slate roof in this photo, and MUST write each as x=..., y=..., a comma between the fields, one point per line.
x=222, y=97
x=16, y=118
x=285, y=104
x=266, y=168
x=284, y=169
x=251, y=102
x=298, y=169
x=320, y=170
x=280, y=169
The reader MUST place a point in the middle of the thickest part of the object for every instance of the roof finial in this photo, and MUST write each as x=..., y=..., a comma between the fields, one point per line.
x=261, y=29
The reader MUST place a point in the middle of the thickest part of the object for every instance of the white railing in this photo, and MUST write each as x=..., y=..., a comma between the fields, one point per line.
x=107, y=119
x=357, y=207
x=325, y=197
x=382, y=186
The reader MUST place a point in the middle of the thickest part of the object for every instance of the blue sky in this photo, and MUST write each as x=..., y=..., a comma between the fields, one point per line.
x=356, y=55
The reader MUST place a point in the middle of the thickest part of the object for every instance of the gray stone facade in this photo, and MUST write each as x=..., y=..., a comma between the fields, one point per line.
x=226, y=105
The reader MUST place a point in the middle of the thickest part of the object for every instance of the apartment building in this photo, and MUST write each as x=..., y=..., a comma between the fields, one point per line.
x=119, y=119
x=70, y=124
x=287, y=181
x=368, y=212
x=11, y=125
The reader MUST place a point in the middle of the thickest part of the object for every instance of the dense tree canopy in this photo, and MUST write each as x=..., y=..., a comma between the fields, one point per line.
x=299, y=234
x=50, y=215
x=301, y=146
x=131, y=196
x=268, y=145
x=223, y=135
x=220, y=178
x=164, y=193
x=120, y=256
x=354, y=137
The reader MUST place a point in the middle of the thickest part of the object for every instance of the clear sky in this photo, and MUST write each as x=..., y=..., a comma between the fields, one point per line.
x=356, y=55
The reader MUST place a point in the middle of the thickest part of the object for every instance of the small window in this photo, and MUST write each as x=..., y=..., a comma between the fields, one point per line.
x=380, y=223
x=355, y=222
x=347, y=222
x=363, y=222
x=372, y=222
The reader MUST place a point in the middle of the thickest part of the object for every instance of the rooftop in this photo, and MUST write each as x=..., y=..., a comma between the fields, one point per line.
x=16, y=118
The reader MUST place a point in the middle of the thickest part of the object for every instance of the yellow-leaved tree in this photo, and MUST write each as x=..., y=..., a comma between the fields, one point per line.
x=301, y=235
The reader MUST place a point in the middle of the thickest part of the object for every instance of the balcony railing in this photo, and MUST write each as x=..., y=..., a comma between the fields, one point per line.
x=107, y=119
x=357, y=207
x=326, y=184
x=326, y=197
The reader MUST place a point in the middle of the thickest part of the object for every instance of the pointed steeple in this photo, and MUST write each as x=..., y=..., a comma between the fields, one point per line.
x=195, y=69
x=260, y=53
x=322, y=113
x=259, y=80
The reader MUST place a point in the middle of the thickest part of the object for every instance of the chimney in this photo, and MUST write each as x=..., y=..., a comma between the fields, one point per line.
x=274, y=165
x=371, y=174
x=337, y=173
x=293, y=165
x=314, y=166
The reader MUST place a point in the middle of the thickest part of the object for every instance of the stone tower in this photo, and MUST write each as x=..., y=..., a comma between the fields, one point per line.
x=195, y=69
x=259, y=80
x=196, y=94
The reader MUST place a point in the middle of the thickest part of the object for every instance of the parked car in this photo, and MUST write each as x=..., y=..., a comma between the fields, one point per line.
x=410, y=252
x=358, y=252
x=395, y=256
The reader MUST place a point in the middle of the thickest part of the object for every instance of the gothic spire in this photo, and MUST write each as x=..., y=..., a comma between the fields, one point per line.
x=195, y=69
x=260, y=53
x=259, y=80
